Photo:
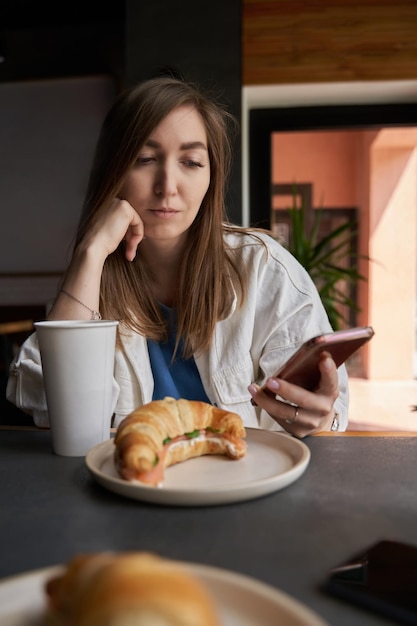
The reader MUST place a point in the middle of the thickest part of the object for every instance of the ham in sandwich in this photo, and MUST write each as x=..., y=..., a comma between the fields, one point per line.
x=164, y=432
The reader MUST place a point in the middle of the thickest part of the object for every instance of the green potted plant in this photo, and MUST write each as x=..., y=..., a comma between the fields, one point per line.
x=324, y=258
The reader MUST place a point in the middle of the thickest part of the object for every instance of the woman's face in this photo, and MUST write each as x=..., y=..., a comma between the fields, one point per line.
x=171, y=176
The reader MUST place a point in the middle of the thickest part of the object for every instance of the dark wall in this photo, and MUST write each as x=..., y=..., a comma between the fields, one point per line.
x=48, y=132
x=45, y=51
x=45, y=40
x=202, y=40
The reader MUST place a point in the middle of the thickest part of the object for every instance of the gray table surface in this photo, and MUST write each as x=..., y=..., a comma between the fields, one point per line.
x=355, y=491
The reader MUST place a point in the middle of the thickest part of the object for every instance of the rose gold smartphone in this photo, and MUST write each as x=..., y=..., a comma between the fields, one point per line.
x=302, y=368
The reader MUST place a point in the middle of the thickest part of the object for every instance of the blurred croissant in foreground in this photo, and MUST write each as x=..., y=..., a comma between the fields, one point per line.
x=128, y=589
x=164, y=432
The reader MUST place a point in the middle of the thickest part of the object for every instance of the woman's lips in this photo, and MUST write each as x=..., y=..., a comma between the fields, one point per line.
x=164, y=213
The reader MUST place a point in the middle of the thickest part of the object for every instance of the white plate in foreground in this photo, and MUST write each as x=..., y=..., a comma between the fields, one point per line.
x=273, y=461
x=241, y=601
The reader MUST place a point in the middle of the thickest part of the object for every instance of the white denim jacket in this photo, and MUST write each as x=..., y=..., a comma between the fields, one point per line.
x=281, y=311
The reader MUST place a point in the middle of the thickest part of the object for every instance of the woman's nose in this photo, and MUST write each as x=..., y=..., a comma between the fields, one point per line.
x=166, y=182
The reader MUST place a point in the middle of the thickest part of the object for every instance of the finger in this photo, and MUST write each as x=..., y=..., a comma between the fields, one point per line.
x=134, y=234
x=316, y=404
x=289, y=392
x=297, y=410
x=329, y=380
x=133, y=237
x=290, y=417
x=279, y=410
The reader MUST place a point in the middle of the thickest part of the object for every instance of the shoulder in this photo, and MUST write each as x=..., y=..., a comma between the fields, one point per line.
x=249, y=240
x=250, y=243
x=259, y=252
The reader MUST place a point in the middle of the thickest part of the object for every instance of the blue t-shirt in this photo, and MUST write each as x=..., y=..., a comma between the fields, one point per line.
x=179, y=378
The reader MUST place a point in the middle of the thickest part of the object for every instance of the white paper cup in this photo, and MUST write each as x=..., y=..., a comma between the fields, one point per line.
x=78, y=363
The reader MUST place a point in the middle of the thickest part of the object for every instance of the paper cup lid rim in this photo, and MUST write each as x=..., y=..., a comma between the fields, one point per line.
x=75, y=323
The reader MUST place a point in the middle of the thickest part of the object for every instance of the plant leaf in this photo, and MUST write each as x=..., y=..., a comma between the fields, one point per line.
x=325, y=259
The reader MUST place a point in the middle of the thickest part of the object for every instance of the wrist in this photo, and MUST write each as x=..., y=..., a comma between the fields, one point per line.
x=89, y=255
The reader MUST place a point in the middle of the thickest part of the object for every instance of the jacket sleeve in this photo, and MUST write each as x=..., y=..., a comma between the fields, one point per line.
x=25, y=384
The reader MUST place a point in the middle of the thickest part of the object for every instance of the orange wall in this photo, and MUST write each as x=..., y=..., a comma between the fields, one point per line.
x=392, y=245
x=376, y=172
x=327, y=158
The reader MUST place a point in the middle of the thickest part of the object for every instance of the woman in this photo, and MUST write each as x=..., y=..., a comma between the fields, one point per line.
x=207, y=310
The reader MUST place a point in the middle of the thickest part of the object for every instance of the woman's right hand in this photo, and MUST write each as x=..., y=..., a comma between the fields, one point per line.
x=80, y=294
x=118, y=222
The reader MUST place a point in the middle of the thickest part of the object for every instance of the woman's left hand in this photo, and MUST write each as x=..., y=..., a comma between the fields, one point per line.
x=301, y=412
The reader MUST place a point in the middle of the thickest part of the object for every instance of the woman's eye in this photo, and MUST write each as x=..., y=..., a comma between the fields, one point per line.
x=142, y=160
x=192, y=163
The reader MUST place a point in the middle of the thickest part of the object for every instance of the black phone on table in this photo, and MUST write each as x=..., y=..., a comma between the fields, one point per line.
x=302, y=368
x=382, y=578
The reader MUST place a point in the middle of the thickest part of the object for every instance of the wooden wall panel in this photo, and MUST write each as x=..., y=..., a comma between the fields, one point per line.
x=294, y=41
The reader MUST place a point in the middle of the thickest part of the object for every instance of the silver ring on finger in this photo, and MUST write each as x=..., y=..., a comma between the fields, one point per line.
x=296, y=413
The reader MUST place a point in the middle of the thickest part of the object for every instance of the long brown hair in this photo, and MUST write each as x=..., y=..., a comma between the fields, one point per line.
x=209, y=277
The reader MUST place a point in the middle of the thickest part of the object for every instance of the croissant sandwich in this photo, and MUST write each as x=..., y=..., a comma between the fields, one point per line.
x=169, y=431
x=128, y=589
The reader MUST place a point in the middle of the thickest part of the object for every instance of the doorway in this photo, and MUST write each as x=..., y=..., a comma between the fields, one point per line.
x=362, y=159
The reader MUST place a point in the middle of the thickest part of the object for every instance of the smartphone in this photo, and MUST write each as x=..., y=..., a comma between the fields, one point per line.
x=382, y=578
x=302, y=368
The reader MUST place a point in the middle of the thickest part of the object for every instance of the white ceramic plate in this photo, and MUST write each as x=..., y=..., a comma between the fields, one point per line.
x=273, y=461
x=241, y=601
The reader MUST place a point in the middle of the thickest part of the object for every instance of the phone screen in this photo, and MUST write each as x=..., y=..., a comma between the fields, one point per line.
x=382, y=578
